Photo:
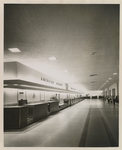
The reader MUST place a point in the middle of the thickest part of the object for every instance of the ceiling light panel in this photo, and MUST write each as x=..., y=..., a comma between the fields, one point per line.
x=93, y=53
x=53, y=58
x=93, y=75
x=14, y=50
x=114, y=73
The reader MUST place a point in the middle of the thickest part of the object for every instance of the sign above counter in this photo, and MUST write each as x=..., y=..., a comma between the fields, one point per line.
x=16, y=70
x=17, y=75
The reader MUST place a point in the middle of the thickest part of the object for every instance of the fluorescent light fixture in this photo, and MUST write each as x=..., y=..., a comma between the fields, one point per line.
x=52, y=58
x=14, y=50
x=93, y=53
x=110, y=78
x=104, y=83
x=91, y=75
x=93, y=82
x=107, y=81
x=114, y=73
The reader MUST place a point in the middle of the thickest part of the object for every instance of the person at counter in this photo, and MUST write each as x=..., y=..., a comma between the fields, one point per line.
x=54, y=98
x=66, y=100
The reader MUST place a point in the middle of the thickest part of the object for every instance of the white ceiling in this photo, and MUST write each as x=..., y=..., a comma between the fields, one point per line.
x=70, y=33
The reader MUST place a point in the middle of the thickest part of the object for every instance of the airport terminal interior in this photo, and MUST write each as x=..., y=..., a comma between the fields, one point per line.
x=61, y=75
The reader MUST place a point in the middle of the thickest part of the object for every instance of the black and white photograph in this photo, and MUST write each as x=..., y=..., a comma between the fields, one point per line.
x=61, y=73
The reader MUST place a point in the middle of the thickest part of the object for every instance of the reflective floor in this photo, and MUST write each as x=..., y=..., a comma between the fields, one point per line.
x=90, y=123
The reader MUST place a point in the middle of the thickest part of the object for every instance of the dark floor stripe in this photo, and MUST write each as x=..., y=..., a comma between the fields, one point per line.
x=109, y=134
x=84, y=134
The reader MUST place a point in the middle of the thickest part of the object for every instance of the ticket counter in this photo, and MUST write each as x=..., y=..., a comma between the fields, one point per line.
x=54, y=106
x=37, y=111
x=15, y=117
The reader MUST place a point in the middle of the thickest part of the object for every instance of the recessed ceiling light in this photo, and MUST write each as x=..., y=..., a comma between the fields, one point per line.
x=114, y=73
x=110, y=78
x=93, y=82
x=14, y=50
x=93, y=53
x=93, y=75
x=52, y=58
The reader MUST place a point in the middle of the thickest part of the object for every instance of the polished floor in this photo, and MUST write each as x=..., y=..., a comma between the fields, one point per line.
x=90, y=123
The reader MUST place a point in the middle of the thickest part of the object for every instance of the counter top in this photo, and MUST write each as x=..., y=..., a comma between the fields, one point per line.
x=31, y=104
x=15, y=106
x=38, y=103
